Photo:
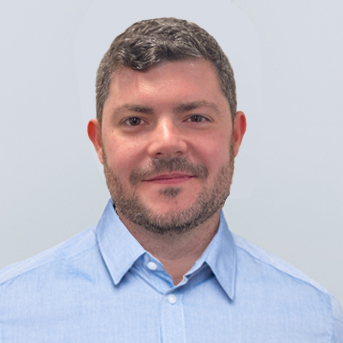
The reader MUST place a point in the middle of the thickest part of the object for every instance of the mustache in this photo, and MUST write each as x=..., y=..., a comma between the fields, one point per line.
x=176, y=164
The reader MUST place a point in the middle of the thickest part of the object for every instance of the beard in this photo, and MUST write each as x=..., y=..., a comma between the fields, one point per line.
x=210, y=200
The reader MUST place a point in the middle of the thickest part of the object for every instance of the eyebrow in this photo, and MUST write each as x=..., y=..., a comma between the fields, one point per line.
x=135, y=108
x=189, y=106
x=179, y=108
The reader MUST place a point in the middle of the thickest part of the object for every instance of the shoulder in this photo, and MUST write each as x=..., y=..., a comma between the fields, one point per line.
x=69, y=249
x=273, y=276
x=249, y=251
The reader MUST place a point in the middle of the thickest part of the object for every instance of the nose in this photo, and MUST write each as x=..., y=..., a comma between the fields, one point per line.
x=167, y=141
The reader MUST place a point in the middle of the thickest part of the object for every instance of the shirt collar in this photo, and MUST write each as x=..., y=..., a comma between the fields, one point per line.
x=120, y=250
x=118, y=247
x=221, y=258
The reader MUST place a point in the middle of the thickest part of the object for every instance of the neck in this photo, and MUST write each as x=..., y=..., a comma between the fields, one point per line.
x=177, y=252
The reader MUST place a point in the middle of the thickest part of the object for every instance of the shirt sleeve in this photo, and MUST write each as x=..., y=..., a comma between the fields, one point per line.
x=337, y=329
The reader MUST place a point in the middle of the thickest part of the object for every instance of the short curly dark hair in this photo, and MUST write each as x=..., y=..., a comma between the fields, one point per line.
x=150, y=42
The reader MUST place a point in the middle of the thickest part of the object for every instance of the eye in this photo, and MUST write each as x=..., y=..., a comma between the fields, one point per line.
x=197, y=118
x=133, y=121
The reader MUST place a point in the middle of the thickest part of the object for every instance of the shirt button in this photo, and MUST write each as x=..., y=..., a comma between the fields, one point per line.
x=152, y=265
x=172, y=298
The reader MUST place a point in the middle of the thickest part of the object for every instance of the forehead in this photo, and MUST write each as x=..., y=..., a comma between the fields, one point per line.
x=190, y=77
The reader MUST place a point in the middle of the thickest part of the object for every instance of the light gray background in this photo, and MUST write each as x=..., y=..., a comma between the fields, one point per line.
x=287, y=194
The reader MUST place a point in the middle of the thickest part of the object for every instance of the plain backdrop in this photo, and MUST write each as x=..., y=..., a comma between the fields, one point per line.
x=287, y=56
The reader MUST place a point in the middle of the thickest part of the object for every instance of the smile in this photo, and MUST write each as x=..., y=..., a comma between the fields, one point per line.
x=170, y=178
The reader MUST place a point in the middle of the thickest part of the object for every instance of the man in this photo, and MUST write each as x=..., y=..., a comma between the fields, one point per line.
x=161, y=265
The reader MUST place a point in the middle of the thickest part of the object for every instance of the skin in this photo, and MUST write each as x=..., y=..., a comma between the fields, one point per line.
x=145, y=119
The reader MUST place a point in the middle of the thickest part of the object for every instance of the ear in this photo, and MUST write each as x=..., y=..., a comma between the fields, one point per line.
x=94, y=134
x=240, y=126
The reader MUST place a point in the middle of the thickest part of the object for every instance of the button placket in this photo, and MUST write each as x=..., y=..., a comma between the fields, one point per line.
x=172, y=299
x=173, y=319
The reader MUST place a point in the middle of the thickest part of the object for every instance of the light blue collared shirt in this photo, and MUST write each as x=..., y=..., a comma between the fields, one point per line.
x=102, y=286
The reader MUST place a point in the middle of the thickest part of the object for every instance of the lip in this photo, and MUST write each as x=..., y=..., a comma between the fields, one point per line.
x=170, y=178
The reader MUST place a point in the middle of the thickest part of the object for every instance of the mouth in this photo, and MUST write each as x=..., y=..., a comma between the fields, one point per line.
x=172, y=178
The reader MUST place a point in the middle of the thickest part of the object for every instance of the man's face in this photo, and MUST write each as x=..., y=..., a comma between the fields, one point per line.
x=167, y=145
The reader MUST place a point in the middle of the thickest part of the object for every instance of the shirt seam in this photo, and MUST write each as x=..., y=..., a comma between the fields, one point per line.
x=322, y=291
x=52, y=260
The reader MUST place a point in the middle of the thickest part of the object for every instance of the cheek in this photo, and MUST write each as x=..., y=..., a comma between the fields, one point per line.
x=214, y=150
x=123, y=155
